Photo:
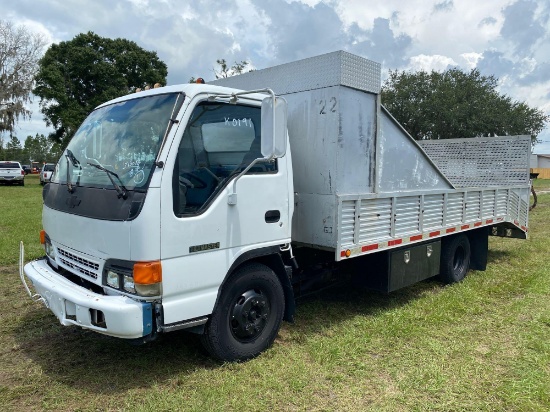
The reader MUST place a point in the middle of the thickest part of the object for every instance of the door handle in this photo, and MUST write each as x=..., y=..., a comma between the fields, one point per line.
x=272, y=216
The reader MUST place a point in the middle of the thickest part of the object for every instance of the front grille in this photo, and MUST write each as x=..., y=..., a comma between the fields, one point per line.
x=78, y=264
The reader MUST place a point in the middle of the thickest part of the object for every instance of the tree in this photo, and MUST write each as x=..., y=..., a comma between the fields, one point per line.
x=457, y=104
x=55, y=152
x=13, y=150
x=20, y=51
x=237, y=68
x=77, y=75
x=37, y=148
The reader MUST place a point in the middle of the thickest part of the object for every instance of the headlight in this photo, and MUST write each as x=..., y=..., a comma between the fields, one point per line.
x=113, y=279
x=139, y=278
x=50, y=251
x=129, y=284
x=118, y=274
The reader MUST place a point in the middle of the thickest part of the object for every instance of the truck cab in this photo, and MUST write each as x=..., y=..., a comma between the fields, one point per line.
x=154, y=207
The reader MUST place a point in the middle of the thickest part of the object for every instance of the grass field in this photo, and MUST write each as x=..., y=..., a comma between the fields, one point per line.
x=483, y=344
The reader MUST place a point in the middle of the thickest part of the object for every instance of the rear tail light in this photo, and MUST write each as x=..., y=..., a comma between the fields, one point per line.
x=22, y=173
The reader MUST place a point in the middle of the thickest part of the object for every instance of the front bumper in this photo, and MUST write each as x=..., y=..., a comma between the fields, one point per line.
x=117, y=316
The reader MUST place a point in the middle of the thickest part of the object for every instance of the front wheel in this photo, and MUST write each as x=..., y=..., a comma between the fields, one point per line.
x=248, y=315
x=455, y=258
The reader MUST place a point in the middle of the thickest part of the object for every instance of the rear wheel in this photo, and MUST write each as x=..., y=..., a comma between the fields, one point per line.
x=248, y=315
x=455, y=258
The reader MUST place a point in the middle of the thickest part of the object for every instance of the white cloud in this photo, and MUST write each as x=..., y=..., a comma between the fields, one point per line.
x=418, y=34
x=471, y=59
x=428, y=63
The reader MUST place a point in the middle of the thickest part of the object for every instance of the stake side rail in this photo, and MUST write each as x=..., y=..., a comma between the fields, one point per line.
x=375, y=222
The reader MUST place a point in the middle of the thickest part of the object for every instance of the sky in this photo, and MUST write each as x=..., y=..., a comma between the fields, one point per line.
x=509, y=39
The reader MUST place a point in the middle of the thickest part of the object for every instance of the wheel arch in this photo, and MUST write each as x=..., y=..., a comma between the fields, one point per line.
x=271, y=257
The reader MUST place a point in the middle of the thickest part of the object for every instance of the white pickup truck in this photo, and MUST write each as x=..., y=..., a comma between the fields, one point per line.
x=12, y=172
x=191, y=207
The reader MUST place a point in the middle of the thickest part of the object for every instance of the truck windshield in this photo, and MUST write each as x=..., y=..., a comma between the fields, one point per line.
x=123, y=138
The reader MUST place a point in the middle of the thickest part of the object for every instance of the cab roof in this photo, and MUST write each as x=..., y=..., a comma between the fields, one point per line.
x=190, y=90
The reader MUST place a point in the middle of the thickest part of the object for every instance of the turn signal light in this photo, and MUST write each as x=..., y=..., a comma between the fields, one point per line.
x=147, y=273
x=42, y=237
x=348, y=253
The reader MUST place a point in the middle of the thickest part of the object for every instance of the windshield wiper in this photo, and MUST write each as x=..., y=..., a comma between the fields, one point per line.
x=73, y=158
x=121, y=190
x=70, y=156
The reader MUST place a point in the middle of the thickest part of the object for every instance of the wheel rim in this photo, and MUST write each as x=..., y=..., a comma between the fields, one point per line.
x=249, y=315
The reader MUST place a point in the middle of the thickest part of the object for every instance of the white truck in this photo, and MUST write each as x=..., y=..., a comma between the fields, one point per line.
x=12, y=172
x=191, y=207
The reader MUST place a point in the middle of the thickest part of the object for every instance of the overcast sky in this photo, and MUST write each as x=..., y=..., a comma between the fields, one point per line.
x=506, y=38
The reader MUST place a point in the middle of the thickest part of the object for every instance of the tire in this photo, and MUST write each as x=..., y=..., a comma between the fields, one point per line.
x=248, y=315
x=455, y=259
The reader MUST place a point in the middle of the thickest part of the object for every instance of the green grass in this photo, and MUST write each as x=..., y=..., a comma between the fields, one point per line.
x=483, y=344
x=541, y=184
x=20, y=219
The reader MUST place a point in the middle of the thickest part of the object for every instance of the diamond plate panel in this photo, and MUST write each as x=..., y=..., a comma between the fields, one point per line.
x=482, y=162
x=332, y=69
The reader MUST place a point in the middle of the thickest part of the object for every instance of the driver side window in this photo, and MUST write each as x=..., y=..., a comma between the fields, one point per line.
x=219, y=142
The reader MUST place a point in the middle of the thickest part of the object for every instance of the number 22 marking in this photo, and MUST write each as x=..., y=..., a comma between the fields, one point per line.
x=332, y=104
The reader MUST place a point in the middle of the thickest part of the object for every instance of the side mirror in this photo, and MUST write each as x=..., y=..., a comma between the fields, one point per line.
x=273, y=127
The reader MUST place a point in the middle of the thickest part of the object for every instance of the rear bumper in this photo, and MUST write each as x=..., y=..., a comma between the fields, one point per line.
x=117, y=316
x=15, y=178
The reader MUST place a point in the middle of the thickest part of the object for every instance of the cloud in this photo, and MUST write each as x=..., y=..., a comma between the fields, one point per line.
x=471, y=59
x=487, y=21
x=428, y=63
x=298, y=30
x=381, y=44
x=539, y=73
x=446, y=5
x=495, y=63
x=506, y=38
x=522, y=26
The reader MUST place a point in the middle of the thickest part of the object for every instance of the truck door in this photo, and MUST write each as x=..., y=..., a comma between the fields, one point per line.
x=201, y=234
